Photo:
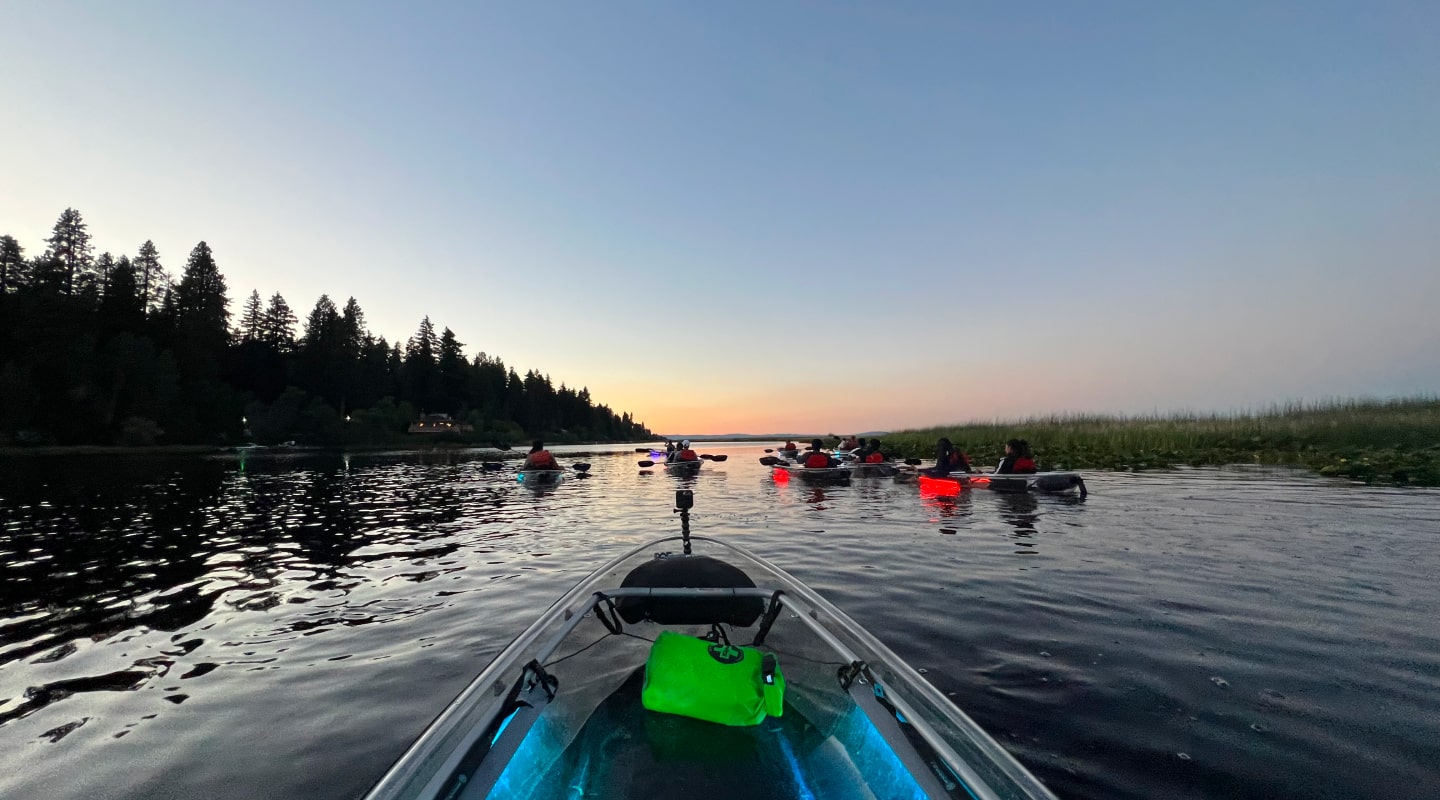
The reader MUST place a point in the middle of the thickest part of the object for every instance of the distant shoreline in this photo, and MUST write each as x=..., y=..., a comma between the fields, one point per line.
x=235, y=450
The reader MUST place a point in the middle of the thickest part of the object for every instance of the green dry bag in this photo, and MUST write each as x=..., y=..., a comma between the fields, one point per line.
x=713, y=681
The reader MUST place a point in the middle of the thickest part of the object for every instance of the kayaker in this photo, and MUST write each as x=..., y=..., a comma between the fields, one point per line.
x=817, y=458
x=1017, y=460
x=540, y=458
x=791, y=446
x=685, y=453
x=873, y=454
x=851, y=444
x=947, y=460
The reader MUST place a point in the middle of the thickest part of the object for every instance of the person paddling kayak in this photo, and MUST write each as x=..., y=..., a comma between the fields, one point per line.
x=683, y=453
x=947, y=460
x=817, y=458
x=540, y=458
x=873, y=454
x=1017, y=460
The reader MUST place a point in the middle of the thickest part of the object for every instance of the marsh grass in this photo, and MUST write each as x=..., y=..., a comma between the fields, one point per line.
x=1376, y=441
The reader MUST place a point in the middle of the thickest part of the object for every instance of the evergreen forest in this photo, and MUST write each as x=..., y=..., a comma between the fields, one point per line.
x=104, y=349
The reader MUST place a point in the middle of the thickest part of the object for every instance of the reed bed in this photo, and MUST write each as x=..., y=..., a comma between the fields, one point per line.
x=1376, y=441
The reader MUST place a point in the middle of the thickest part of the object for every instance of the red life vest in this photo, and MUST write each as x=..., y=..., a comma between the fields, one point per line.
x=875, y=458
x=686, y=455
x=1024, y=464
x=817, y=461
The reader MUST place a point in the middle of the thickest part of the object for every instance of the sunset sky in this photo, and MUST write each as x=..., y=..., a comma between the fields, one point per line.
x=766, y=217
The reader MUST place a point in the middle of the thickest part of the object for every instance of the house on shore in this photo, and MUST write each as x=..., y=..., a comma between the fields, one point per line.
x=440, y=423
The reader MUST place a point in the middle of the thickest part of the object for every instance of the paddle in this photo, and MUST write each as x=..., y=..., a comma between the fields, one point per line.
x=914, y=462
x=642, y=449
x=580, y=467
x=646, y=463
x=768, y=450
x=772, y=461
x=721, y=457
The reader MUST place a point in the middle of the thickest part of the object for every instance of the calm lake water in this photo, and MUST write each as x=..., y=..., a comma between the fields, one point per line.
x=285, y=626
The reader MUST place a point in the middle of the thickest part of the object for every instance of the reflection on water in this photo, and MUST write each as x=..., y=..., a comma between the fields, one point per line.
x=284, y=625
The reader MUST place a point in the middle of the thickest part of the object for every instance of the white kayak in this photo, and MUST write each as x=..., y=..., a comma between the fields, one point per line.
x=703, y=675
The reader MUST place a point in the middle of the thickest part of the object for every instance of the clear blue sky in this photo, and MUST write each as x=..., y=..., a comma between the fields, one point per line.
x=752, y=216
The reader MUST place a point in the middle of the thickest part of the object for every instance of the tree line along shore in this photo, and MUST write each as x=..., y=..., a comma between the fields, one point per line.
x=1395, y=442
x=107, y=350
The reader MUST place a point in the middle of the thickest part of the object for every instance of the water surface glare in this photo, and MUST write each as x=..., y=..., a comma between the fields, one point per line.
x=285, y=626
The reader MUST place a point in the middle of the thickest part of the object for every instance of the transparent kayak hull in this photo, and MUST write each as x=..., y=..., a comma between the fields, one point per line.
x=956, y=482
x=540, y=478
x=874, y=470
x=683, y=467
x=558, y=713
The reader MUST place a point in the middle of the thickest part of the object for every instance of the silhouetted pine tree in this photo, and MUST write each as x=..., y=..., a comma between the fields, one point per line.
x=252, y=319
x=70, y=251
x=279, y=325
x=150, y=276
x=420, y=371
x=202, y=315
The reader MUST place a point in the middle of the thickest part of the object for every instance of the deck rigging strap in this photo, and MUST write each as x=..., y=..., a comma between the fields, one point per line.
x=539, y=677
x=771, y=614
x=611, y=621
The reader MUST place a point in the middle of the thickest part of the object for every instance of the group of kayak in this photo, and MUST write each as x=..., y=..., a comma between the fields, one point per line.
x=951, y=473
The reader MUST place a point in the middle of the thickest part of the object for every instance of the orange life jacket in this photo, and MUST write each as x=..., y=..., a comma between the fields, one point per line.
x=1024, y=464
x=817, y=461
x=876, y=457
x=541, y=459
x=686, y=455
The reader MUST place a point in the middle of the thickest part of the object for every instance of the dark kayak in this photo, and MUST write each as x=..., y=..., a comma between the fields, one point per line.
x=698, y=675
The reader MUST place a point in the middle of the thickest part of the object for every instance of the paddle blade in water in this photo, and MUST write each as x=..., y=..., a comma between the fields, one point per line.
x=718, y=458
x=581, y=467
x=646, y=463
